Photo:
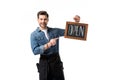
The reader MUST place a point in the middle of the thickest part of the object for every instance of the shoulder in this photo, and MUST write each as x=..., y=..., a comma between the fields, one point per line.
x=53, y=29
x=35, y=32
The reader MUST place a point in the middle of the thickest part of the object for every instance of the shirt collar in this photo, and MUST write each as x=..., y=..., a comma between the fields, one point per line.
x=38, y=29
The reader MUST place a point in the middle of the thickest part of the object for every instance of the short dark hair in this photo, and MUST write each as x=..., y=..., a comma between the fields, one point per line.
x=42, y=13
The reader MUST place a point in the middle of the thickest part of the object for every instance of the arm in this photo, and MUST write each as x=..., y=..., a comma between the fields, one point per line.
x=39, y=48
x=62, y=31
x=36, y=48
x=59, y=32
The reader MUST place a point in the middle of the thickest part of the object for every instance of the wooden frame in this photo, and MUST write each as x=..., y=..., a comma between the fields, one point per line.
x=76, y=30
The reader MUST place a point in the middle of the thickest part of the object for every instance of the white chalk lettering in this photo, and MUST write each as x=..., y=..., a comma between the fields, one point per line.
x=76, y=31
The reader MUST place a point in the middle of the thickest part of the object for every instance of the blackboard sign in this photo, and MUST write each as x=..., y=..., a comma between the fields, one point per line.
x=75, y=30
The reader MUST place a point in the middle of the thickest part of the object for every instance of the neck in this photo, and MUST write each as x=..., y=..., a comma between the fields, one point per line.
x=42, y=28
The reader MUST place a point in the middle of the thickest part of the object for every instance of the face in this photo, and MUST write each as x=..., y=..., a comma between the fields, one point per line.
x=42, y=21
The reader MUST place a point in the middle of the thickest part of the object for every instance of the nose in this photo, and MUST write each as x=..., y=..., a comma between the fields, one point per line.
x=43, y=21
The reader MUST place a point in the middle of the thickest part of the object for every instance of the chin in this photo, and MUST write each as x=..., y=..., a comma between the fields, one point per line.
x=43, y=26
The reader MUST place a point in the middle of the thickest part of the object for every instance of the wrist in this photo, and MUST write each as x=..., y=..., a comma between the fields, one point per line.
x=45, y=46
x=49, y=44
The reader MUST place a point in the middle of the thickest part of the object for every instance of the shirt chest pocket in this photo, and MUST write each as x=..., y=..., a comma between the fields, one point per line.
x=53, y=35
x=41, y=40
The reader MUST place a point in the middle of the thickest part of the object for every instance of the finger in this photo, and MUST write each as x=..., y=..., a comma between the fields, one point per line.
x=56, y=38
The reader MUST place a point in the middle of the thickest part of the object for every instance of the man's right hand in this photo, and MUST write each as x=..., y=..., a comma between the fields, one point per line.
x=52, y=42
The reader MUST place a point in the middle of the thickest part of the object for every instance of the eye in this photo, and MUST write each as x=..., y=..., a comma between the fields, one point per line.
x=40, y=18
x=45, y=19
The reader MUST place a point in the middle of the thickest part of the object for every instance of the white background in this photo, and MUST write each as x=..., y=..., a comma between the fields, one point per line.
x=98, y=58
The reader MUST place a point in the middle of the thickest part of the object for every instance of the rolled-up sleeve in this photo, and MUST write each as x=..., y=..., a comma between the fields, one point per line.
x=36, y=48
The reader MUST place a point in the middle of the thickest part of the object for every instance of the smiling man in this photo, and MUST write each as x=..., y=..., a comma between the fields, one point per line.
x=45, y=41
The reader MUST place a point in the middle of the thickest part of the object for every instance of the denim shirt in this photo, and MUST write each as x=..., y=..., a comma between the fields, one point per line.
x=38, y=40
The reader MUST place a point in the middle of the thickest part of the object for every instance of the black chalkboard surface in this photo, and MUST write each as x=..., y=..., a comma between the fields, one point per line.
x=75, y=30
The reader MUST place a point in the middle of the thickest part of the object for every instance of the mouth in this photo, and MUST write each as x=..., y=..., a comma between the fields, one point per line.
x=42, y=24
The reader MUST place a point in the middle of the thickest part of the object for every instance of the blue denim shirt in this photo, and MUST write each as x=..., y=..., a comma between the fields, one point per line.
x=38, y=39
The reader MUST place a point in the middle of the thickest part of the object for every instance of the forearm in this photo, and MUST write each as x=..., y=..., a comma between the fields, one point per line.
x=38, y=50
x=52, y=42
x=46, y=46
x=41, y=48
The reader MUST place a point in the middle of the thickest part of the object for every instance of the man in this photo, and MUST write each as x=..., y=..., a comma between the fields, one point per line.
x=45, y=41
